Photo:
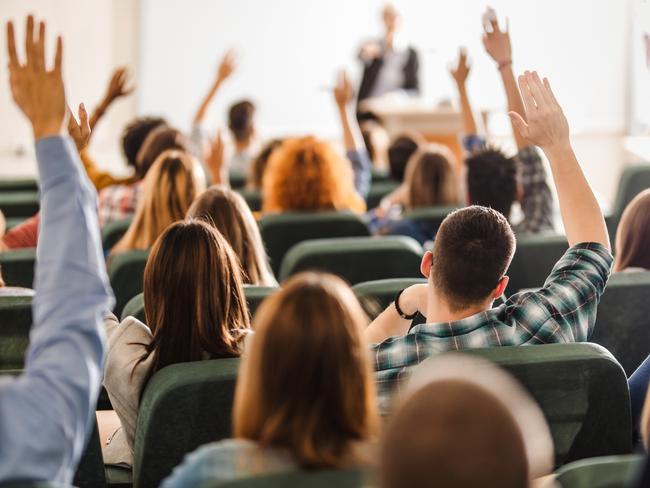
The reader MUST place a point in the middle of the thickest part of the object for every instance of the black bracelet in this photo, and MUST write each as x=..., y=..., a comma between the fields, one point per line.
x=399, y=310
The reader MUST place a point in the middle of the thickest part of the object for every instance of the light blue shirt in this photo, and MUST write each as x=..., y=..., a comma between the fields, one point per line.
x=46, y=412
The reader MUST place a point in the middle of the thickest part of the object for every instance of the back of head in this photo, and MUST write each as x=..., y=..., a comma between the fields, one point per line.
x=431, y=178
x=159, y=140
x=633, y=235
x=135, y=134
x=306, y=384
x=453, y=434
x=169, y=189
x=241, y=120
x=259, y=164
x=492, y=180
x=399, y=153
x=193, y=295
x=472, y=251
x=306, y=174
x=227, y=211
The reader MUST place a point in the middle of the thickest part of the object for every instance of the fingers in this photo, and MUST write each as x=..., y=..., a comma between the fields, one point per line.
x=72, y=122
x=519, y=124
x=84, y=122
x=29, y=41
x=11, y=47
x=39, y=48
x=551, y=95
x=526, y=95
x=539, y=91
x=58, y=57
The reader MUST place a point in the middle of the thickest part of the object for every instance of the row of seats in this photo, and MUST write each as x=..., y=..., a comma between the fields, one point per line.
x=581, y=389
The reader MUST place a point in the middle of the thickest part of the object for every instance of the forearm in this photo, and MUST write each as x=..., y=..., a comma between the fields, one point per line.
x=515, y=102
x=388, y=324
x=97, y=114
x=352, y=138
x=207, y=101
x=469, y=124
x=581, y=214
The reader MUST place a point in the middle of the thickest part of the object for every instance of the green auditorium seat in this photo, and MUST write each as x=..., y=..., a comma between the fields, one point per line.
x=378, y=191
x=306, y=479
x=19, y=203
x=582, y=391
x=534, y=259
x=254, y=296
x=280, y=232
x=601, y=472
x=432, y=216
x=16, y=322
x=237, y=179
x=113, y=232
x=18, y=267
x=126, y=272
x=183, y=406
x=623, y=320
x=14, y=222
x=356, y=259
x=634, y=179
x=375, y=296
x=18, y=185
x=380, y=175
x=253, y=198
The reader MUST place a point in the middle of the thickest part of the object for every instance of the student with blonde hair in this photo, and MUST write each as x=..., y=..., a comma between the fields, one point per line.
x=305, y=397
x=169, y=189
x=195, y=309
x=227, y=212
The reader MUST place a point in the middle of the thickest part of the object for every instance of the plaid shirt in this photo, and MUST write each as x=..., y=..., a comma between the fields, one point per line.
x=118, y=202
x=564, y=310
x=537, y=202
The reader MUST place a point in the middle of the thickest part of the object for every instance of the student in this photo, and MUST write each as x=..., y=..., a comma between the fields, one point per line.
x=633, y=236
x=255, y=174
x=195, y=309
x=46, y=411
x=400, y=152
x=491, y=176
x=227, y=212
x=241, y=122
x=467, y=269
x=438, y=437
x=305, y=397
x=168, y=191
x=376, y=139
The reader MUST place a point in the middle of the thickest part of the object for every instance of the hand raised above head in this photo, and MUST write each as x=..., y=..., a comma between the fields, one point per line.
x=462, y=69
x=79, y=131
x=227, y=66
x=343, y=91
x=37, y=90
x=117, y=85
x=497, y=42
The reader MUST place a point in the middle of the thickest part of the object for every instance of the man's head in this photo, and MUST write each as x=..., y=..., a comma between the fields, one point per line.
x=471, y=254
x=240, y=120
x=135, y=134
x=492, y=180
x=390, y=17
x=399, y=153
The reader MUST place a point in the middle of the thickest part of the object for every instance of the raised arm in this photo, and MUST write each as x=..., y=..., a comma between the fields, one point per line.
x=226, y=67
x=545, y=125
x=460, y=74
x=116, y=89
x=352, y=138
x=46, y=411
x=497, y=44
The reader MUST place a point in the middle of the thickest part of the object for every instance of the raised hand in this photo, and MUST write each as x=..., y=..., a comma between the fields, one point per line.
x=461, y=72
x=215, y=159
x=79, y=131
x=544, y=124
x=117, y=86
x=497, y=42
x=37, y=90
x=343, y=91
x=227, y=66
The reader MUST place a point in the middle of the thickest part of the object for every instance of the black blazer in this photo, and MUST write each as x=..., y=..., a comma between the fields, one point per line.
x=372, y=69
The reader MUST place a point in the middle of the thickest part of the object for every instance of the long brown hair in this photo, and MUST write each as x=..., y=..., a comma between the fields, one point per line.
x=633, y=235
x=169, y=189
x=228, y=212
x=431, y=179
x=307, y=174
x=306, y=384
x=194, y=299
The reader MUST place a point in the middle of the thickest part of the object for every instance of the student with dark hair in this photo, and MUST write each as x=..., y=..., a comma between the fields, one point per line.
x=399, y=153
x=255, y=174
x=493, y=179
x=241, y=122
x=467, y=269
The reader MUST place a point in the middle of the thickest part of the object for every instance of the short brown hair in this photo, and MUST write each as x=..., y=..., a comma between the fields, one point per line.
x=471, y=253
x=240, y=119
x=306, y=384
x=431, y=178
x=633, y=235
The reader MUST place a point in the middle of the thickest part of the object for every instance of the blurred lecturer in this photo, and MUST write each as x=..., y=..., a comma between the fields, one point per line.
x=388, y=66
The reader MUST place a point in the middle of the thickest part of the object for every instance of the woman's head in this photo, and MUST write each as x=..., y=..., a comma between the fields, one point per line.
x=258, y=166
x=194, y=296
x=169, y=189
x=227, y=211
x=135, y=134
x=431, y=179
x=633, y=234
x=307, y=174
x=306, y=383
x=158, y=140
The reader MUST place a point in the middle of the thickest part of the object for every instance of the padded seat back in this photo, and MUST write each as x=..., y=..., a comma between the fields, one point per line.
x=534, y=259
x=582, y=391
x=623, y=320
x=253, y=198
x=18, y=184
x=183, y=406
x=126, y=273
x=601, y=472
x=15, y=324
x=19, y=203
x=237, y=179
x=357, y=259
x=375, y=296
x=305, y=479
x=432, y=217
x=378, y=190
x=113, y=232
x=18, y=267
x=280, y=232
